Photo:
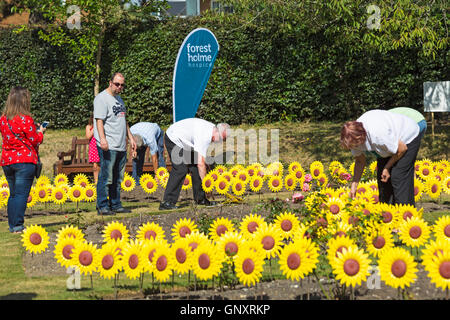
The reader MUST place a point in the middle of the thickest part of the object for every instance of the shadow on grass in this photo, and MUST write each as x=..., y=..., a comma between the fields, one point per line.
x=19, y=296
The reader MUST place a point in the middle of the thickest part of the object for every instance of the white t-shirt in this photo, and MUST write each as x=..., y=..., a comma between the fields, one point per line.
x=192, y=133
x=384, y=130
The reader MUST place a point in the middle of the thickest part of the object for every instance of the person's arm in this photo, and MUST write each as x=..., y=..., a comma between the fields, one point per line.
x=360, y=163
x=402, y=148
x=131, y=140
x=89, y=132
x=201, y=166
x=101, y=133
x=155, y=162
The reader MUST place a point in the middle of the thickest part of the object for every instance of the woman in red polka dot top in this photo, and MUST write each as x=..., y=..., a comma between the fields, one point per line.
x=19, y=153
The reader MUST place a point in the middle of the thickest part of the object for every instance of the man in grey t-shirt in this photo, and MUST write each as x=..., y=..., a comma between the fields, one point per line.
x=110, y=131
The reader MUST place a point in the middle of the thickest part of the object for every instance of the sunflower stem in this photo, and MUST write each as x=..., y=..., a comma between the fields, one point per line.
x=321, y=286
x=115, y=285
x=92, y=282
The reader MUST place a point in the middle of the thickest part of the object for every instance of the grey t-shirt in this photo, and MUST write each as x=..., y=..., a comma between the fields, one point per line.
x=111, y=109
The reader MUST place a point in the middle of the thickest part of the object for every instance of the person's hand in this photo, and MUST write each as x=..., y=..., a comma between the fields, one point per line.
x=353, y=190
x=385, y=175
x=41, y=129
x=104, y=144
x=134, y=154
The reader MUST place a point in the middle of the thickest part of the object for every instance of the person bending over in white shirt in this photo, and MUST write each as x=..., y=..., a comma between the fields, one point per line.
x=395, y=140
x=187, y=142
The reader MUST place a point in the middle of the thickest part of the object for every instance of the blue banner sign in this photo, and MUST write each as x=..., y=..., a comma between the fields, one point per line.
x=193, y=67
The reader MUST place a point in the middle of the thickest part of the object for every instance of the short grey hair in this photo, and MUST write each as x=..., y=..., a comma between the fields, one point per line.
x=223, y=127
x=138, y=139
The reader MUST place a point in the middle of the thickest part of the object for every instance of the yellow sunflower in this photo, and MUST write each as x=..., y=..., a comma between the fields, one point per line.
x=424, y=171
x=42, y=193
x=128, y=183
x=418, y=189
x=207, y=261
x=149, y=184
x=35, y=239
x=256, y=183
x=194, y=239
x=446, y=185
x=335, y=206
x=378, y=240
x=219, y=227
x=299, y=174
x=132, y=261
x=249, y=265
x=275, y=169
x=76, y=193
x=90, y=193
x=431, y=251
x=433, y=188
x=222, y=185
x=43, y=180
x=221, y=169
x=275, y=183
x=270, y=238
x=295, y=262
x=439, y=270
x=322, y=180
x=81, y=180
x=181, y=254
x=3, y=182
x=86, y=258
x=150, y=231
x=287, y=223
x=229, y=243
x=250, y=223
x=60, y=178
x=32, y=198
x=243, y=176
x=110, y=262
x=316, y=168
x=148, y=250
x=338, y=228
x=161, y=172
x=441, y=228
x=336, y=245
x=63, y=251
x=294, y=166
x=208, y=183
x=407, y=211
x=187, y=183
x=234, y=170
x=389, y=215
x=397, y=267
x=70, y=232
x=351, y=267
x=183, y=227
x=115, y=231
x=238, y=187
x=59, y=195
x=290, y=182
x=414, y=232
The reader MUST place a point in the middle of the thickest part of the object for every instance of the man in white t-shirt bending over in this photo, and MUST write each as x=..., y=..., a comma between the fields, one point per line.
x=187, y=143
x=395, y=140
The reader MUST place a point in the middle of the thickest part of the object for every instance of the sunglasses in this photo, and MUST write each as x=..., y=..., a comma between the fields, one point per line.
x=119, y=84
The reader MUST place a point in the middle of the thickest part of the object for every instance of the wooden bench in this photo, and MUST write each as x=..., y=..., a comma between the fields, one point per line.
x=76, y=160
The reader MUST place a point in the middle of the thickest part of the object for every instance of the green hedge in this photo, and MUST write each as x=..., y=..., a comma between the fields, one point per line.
x=260, y=75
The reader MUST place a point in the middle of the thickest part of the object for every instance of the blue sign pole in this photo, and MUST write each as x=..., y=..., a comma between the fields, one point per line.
x=193, y=67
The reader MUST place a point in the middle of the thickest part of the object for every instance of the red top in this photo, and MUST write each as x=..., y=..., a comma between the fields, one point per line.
x=13, y=149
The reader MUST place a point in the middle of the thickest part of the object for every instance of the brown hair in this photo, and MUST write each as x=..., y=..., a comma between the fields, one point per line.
x=18, y=103
x=352, y=134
